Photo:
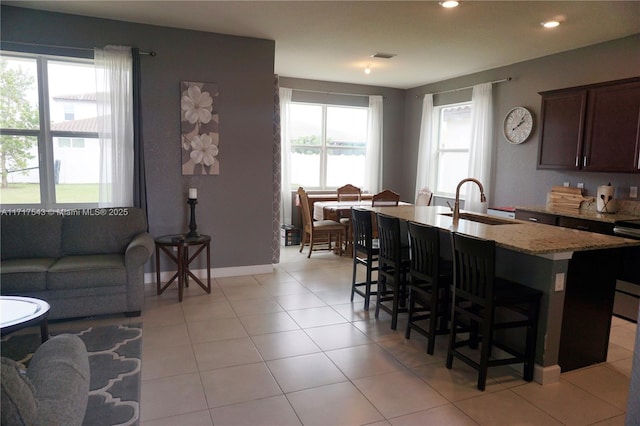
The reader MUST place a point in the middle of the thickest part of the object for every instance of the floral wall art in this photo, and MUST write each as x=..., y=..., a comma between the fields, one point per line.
x=199, y=128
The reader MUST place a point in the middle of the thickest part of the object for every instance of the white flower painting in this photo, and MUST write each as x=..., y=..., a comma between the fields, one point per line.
x=199, y=128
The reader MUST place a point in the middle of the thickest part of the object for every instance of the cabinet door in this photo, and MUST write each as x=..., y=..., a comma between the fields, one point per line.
x=563, y=115
x=612, y=140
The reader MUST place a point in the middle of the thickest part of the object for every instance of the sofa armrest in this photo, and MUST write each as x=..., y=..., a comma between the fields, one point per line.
x=59, y=371
x=139, y=250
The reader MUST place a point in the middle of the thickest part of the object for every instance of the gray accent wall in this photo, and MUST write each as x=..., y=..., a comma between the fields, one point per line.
x=235, y=208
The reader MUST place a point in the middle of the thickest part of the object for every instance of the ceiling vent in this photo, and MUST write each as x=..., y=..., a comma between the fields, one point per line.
x=383, y=55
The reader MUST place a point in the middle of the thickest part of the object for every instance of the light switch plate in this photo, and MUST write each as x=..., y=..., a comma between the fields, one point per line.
x=559, y=281
x=633, y=192
x=566, y=184
x=580, y=185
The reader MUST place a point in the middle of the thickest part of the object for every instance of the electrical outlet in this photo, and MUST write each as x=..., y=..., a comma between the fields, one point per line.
x=559, y=281
x=633, y=192
x=566, y=184
x=580, y=185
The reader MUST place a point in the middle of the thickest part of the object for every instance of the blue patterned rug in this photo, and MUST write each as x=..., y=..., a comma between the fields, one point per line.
x=115, y=360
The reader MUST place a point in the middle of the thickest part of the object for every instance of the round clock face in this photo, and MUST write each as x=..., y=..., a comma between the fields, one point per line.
x=518, y=125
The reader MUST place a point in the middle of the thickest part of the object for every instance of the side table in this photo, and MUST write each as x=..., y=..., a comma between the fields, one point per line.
x=182, y=259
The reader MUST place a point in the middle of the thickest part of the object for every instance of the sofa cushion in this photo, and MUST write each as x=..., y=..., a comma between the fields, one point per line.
x=24, y=275
x=100, y=270
x=19, y=405
x=95, y=233
x=26, y=236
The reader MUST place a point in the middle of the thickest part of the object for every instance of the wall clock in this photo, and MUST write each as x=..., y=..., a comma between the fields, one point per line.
x=518, y=124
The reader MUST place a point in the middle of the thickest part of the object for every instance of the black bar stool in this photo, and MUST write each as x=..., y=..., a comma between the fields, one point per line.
x=477, y=296
x=430, y=284
x=365, y=253
x=393, y=268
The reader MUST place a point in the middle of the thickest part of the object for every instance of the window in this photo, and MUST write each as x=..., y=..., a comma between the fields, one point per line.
x=69, y=113
x=328, y=145
x=49, y=150
x=452, y=128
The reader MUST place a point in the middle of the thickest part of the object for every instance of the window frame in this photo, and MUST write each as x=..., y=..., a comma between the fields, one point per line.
x=44, y=134
x=324, y=147
x=437, y=151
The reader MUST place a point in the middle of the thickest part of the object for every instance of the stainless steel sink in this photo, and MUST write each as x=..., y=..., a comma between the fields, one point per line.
x=482, y=219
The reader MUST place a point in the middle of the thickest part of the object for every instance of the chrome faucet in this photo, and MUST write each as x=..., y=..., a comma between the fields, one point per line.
x=456, y=206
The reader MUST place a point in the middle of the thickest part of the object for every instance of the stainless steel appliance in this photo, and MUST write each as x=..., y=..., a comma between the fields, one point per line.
x=627, y=296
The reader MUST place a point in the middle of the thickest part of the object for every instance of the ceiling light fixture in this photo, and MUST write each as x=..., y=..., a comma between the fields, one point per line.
x=367, y=70
x=449, y=3
x=550, y=24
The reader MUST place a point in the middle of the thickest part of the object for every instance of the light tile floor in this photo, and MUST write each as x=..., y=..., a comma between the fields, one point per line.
x=288, y=348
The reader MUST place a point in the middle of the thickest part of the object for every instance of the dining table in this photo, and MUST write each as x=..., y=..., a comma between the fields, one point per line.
x=334, y=210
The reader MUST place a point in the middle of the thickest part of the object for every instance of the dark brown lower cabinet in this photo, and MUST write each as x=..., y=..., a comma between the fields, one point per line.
x=588, y=305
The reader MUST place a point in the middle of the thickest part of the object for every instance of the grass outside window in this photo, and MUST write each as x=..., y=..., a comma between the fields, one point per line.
x=29, y=193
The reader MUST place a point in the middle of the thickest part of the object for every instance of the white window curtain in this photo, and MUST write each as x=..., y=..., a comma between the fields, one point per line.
x=373, y=166
x=114, y=98
x=480, y=150
x=285, y=152
x=424, y=173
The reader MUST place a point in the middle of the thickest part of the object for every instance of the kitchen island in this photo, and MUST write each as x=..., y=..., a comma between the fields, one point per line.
x=539, y=256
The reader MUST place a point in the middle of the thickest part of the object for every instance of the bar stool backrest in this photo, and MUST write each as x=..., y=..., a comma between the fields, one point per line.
x=474, y=269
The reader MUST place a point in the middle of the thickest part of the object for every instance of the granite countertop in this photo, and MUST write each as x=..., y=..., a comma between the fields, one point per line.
x=582, y=213
x=517, y=235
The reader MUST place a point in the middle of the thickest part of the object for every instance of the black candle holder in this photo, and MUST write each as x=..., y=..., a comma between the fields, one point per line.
x=192, y=221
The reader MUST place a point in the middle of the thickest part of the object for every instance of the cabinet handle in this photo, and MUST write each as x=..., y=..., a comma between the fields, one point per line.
x=584, y=161
x=582, y=227
x=577, y=161
x=533, y=219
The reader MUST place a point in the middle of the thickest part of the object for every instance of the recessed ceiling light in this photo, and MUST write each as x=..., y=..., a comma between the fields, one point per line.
x=449, y=3
x=550, y=24
x=367, y=70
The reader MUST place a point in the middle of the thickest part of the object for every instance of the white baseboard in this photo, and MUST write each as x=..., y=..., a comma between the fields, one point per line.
x=150, y=277
x=546, y=375
x=542, y=375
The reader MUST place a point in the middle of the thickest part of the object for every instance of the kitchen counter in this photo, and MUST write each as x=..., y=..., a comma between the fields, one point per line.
x=581, y=214
x=575, y=270
x=520, y=236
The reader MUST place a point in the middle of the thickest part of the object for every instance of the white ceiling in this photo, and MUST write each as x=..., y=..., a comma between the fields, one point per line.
x=333, y=40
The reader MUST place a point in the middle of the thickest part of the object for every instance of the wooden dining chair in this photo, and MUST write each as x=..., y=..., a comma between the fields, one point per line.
x=349, y=192
x=318, y=231
x=424, y=197
x=385, y=198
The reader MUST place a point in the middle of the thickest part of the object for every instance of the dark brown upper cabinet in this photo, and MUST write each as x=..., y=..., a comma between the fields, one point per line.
x=592, y=128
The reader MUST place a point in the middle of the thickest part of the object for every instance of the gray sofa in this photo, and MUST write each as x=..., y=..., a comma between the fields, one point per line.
x=89, y=263
x=55, y=388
